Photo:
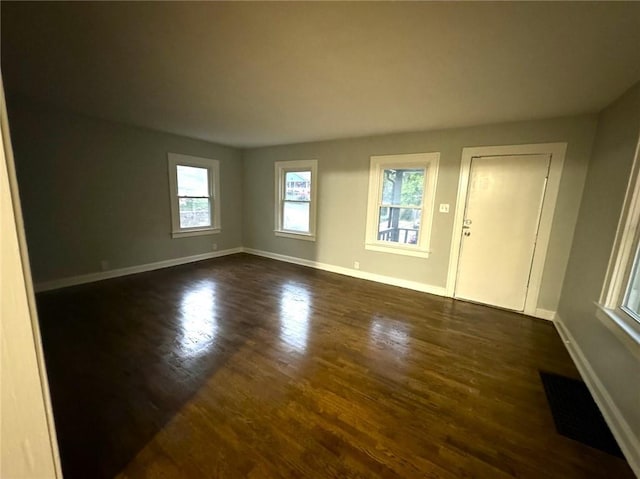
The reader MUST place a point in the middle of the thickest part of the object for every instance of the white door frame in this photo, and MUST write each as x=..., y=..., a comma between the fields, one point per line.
x=557, y=152
x=29, y=447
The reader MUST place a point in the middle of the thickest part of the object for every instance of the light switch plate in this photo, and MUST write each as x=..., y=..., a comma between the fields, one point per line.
x=444, y=208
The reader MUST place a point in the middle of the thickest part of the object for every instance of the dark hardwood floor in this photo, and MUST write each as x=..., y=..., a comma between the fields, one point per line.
x=247, y=367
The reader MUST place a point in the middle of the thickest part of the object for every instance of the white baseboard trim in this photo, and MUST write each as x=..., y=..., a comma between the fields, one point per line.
x=627, y=440
x=545, y=314
x=355, y=273
x=114, y=273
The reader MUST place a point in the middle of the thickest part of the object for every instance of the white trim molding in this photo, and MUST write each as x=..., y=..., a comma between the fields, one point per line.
x=545, y=314
x=428, y=162
x=557, y=153
x=115, y=273
x=627, y=439
x=614, y=309
x=355, y=273
x=213, y=177
x=295, y=166
x=625, y=241
x=625, y=331
x=28, y=445
x=300, y=236
x=378, y=278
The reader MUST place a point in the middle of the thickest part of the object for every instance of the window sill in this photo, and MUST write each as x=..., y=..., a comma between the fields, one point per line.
x=415, y=252
x=195, y=232
x=624, y=327
x=291, y=234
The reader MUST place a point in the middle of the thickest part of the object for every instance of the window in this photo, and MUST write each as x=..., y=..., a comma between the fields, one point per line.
x=195, y=198
x=619, y=303
x=401, y=197
x=296, y=199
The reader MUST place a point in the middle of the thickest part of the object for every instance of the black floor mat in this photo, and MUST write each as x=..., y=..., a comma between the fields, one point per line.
x=575, y=413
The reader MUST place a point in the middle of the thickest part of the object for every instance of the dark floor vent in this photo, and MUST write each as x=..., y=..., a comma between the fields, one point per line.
x=576, y=414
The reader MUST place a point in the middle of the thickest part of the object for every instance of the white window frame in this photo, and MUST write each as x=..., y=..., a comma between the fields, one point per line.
x=610, y=310
x=428, y=161
x=213, y=170
x=281, y=168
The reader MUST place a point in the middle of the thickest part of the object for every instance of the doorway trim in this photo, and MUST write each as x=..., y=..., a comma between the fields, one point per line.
x=557, y=153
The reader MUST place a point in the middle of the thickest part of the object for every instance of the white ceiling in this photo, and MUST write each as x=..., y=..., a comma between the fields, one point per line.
x=248, y=74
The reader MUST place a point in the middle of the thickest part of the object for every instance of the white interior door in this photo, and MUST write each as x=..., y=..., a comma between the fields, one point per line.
x=504, y=202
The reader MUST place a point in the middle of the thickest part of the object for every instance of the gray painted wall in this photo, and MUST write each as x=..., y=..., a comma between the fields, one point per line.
x=93, y=190
x=614, y=148
x=343, y=169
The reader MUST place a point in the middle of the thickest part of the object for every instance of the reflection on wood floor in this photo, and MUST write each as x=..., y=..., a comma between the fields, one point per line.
x=247, y=367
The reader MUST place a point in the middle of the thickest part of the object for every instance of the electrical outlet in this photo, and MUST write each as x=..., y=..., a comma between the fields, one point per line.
x=104, y=265
x=444, y=207
x=356, y=265
x=214, y=247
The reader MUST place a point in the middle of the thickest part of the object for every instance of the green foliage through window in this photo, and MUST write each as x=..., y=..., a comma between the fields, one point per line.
x=403, y=187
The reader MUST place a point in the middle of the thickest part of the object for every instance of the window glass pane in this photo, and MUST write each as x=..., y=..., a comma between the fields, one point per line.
x=399, y=225
x=194, y=212
x=295, y=216
x=297, y=185
x=192, y=181
x=404, y=187
x=632, y=298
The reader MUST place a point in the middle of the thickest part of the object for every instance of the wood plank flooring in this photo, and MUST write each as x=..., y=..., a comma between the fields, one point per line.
x=247, y=367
